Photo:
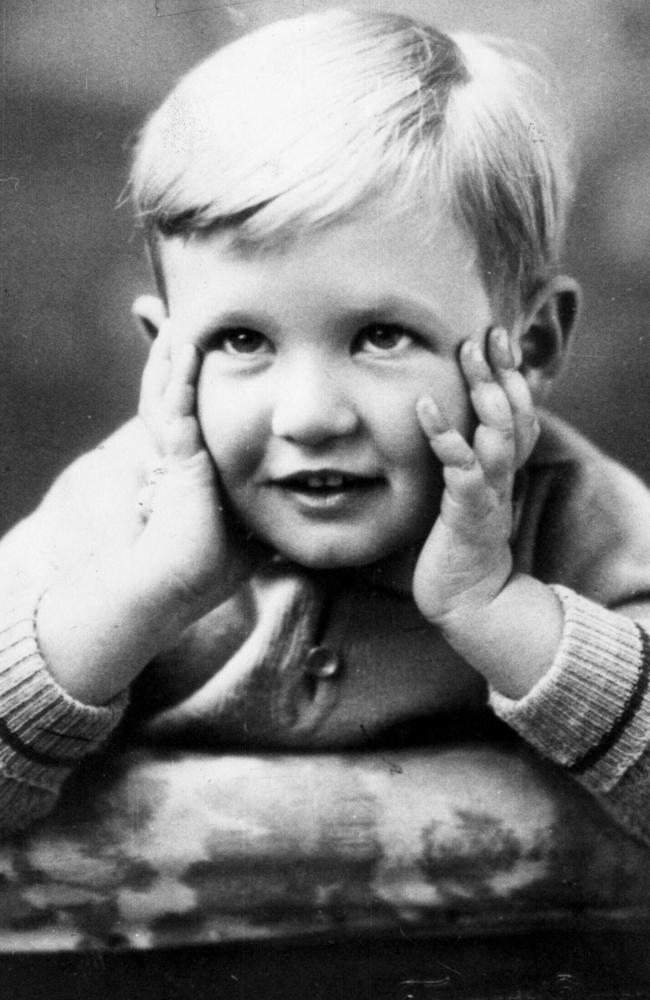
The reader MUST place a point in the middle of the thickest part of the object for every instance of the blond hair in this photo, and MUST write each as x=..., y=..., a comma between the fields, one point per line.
x=292, y=127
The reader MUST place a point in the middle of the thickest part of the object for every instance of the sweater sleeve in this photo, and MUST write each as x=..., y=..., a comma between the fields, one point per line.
x=44, y=733
x=590, y=713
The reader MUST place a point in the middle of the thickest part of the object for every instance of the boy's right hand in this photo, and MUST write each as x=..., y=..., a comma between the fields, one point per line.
x=184, y=545
x=100, y=623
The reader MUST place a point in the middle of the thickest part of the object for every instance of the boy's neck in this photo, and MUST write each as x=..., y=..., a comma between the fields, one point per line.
x=395, y=573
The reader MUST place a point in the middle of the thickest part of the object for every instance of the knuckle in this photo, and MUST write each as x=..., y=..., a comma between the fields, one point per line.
x=468, y=481
x=497, y=466
x=530, y=421
x=495, y=444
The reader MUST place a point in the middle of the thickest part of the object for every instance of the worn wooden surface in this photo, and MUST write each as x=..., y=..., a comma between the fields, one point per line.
x=464, y=840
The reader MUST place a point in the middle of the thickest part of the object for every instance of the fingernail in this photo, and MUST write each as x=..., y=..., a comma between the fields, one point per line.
x=500, y=342
x=432, y=416
x=473, y=356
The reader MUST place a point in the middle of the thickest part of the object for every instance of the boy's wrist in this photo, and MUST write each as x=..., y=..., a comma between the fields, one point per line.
x=167, y=602
x=471, y=601
x=174, y=597
x=512, y=639
x=598, y=671
x=99, y=627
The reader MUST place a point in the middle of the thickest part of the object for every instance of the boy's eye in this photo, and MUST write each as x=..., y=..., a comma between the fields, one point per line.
x=382, y=337
x=242, y=341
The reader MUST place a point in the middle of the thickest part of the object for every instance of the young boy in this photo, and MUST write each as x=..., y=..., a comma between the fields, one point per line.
x=339, y=507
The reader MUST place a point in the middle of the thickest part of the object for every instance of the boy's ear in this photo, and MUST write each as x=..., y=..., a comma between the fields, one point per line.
x=150, y=313
x=545, y=331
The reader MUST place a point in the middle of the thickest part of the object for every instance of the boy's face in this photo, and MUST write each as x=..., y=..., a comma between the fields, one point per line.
x=314, y=360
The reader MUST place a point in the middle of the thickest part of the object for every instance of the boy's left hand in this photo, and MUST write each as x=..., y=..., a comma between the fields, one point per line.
x=467, y=561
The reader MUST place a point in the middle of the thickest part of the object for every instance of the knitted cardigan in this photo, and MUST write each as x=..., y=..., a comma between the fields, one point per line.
x=298, y=661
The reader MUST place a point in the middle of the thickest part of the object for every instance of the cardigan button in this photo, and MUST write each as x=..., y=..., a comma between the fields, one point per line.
x=322, y=662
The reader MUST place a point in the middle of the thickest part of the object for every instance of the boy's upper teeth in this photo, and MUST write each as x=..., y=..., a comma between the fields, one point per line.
x=329, y=479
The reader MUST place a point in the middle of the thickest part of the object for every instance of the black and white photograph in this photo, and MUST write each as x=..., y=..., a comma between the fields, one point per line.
x=325, y=522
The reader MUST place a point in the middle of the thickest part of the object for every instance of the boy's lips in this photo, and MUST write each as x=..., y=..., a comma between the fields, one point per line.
x=325, y=488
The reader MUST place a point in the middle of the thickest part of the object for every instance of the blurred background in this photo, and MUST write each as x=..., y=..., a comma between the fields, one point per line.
x=78, y=76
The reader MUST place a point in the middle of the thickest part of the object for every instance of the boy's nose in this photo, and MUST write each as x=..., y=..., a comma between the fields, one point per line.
x=312, y=406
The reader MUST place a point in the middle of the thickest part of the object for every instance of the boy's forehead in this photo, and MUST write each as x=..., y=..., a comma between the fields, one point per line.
x=375, y=238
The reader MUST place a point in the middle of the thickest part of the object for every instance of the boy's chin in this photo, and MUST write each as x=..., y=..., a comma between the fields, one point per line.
x=325, y=560
x=392, y=571
x=349, y=557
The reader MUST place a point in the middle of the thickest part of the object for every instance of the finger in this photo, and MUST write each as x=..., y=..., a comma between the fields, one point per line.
x=463, y=474
x=178, y=426
x=514, y=385
x=168, y=397
x=180, y=393
x=491, y=452
x=155, y=375
x=489, y=400
x=495, y=454
x=448, y=443
x=469, y=497
x=494, y=442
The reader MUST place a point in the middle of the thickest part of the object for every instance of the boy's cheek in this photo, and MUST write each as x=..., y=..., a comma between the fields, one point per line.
x=232, y=438
x=230, y=445
x=444, y=381
x=220, y=424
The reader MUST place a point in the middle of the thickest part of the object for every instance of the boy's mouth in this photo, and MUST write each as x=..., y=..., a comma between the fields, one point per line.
x=327, y=485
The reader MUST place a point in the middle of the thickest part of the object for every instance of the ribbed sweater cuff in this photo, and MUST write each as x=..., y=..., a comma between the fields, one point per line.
x=42, y=728
x=590, y=711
